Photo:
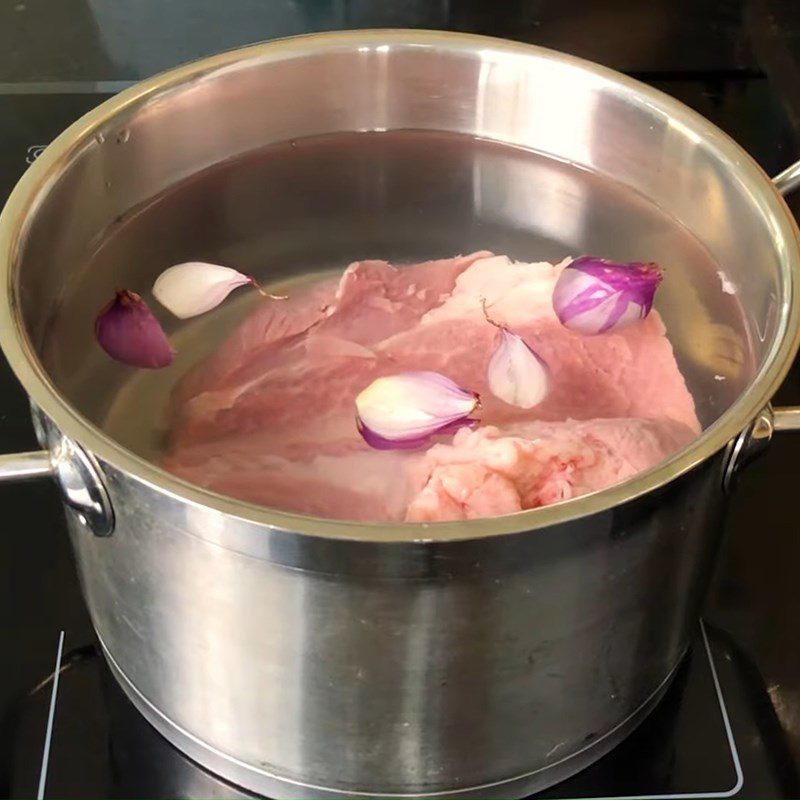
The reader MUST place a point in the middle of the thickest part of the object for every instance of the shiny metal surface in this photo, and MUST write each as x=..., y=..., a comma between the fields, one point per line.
x=24, y=466
x=270, y=785
x=748, y=445
x=398, y=659
x=754, y=439
x=76, y=475
x=789, y=179
x=411, y=668
x=81, y=486
x=787, y=419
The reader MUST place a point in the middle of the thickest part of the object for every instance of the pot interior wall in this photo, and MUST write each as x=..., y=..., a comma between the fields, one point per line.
x=197, y=171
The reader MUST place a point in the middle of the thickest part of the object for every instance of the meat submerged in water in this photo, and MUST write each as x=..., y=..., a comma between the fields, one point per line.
x=488, y=472
x=269, y=417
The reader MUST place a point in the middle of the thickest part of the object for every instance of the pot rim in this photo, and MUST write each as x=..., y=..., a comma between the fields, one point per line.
x=22, y=203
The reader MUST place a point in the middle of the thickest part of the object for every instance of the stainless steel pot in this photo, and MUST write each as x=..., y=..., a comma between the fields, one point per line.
x=303, y=657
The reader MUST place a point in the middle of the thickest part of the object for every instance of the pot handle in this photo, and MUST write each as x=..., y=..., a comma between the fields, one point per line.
x=753, y=440
x=24, y=466
x=786, y=418
x=77, y=476
x=788, y=180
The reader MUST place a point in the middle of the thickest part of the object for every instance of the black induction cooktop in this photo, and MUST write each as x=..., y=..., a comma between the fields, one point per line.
x=730, y=724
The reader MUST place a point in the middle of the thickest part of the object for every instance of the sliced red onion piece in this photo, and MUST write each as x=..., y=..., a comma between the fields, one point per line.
x=129, y=332
x=378, y=442
x=594, y=296
x=516, y=373
x=405, y=410
x=195, y=287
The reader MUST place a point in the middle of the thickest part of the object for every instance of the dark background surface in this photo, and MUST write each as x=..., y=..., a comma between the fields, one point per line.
x=736, y=61
x=62, y=40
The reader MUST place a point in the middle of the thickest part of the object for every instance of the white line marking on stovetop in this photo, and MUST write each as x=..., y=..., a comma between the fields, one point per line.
x=64, y=87
x=48, y=736
x=737, y=764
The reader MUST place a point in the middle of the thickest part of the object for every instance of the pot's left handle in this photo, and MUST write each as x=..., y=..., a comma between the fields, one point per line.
x=77, y=476
x=24, y=466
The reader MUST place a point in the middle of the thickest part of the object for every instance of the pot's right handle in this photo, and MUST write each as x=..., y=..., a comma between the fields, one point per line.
x=77, y=476
x=788, y=180
x=786, y=418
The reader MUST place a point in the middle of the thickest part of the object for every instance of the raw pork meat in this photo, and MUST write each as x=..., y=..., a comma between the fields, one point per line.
x=269, y=417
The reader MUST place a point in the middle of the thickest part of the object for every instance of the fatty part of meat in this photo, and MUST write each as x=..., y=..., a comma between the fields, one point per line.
x=488, y=472
x=269, y=417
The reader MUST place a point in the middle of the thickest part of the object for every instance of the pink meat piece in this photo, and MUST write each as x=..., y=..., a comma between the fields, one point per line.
x=358, y=485
x=487, y=472
x=309, y=345
x=269, y=417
